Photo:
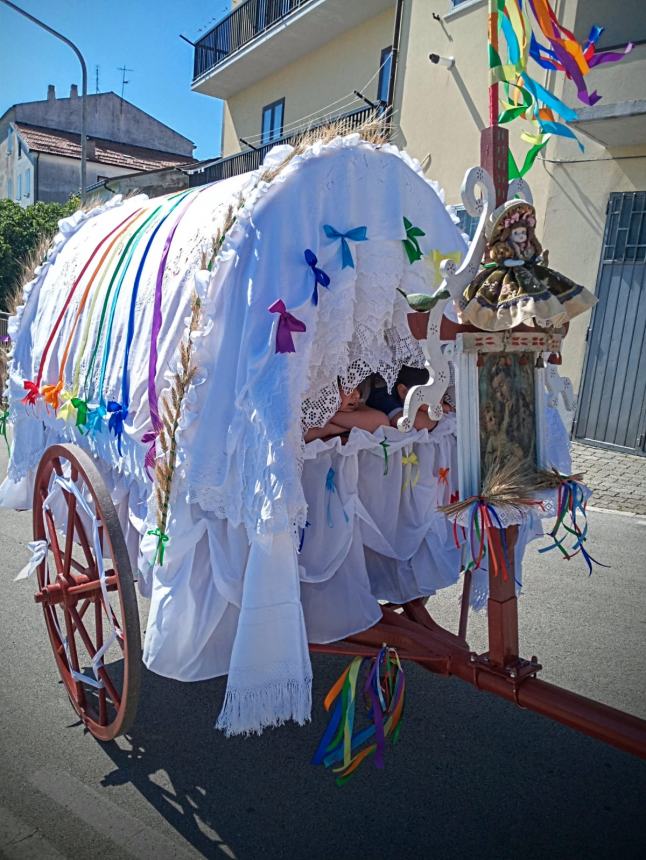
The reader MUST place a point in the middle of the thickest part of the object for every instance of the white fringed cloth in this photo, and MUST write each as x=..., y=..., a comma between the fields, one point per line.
x=234, y=595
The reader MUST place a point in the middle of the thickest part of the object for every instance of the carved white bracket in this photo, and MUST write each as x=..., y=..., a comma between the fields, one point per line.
x=455, y=280
x=558, y=387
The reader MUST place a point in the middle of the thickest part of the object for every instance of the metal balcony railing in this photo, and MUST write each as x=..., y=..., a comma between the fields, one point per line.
x=240, y=27
x=251, y=159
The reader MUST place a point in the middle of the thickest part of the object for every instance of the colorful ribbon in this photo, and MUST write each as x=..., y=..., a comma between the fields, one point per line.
x=410, y=462
x=118, y=415
x=481, y=521
x=320, y=277
x=302, y=537
x=411, y=243
x=384, y=694
x=357, y=234
x=4, y=419
x=525, y=97
x=385, y=445
x=125, y=381
x=162, y=540
x=153, y=400
x=287, y=323
x=33, y=388
x=331, y=490
x=571, y=503
x=117, y=279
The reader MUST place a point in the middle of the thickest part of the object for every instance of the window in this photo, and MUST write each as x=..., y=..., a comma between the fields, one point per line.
x=19, y=188
x=27, y=183
x=467, y=223
x=10, y=188
x=385, y=66
x=9, y=141
x=272, y=121
x=19, y=148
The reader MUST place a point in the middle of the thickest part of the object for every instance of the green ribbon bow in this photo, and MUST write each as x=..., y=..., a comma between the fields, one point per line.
x=162, y=540
x=385, y=446
x=81, y=412
x=4, y=418
x=411, y=244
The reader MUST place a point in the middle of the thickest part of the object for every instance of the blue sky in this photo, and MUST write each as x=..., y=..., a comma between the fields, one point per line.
x=140, y=34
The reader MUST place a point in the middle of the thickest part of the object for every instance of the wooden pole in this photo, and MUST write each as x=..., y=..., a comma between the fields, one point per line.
x=494, y=141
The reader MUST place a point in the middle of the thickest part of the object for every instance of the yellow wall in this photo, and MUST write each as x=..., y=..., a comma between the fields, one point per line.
x=441, y=112
x=313, y=82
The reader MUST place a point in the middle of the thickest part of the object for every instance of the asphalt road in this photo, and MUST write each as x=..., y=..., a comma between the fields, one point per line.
x=472, y=776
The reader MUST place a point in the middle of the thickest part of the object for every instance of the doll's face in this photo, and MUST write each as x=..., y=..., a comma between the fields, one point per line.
x=519, y=235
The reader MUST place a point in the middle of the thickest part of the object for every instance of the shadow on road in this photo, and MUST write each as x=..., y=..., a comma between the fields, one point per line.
x=471, y=776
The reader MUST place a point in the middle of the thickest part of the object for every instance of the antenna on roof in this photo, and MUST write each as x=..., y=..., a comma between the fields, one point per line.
x=96, y=76
x=123, y=69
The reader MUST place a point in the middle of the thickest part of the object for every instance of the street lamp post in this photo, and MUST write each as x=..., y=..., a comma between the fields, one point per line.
x=84, y=87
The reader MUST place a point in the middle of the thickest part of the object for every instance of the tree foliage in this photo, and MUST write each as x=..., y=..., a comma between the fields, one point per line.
x=21, y=229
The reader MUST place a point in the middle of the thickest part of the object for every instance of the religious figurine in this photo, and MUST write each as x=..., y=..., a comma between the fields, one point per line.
x=517, y=286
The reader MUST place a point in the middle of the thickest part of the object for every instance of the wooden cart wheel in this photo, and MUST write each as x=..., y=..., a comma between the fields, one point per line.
x=93, y=626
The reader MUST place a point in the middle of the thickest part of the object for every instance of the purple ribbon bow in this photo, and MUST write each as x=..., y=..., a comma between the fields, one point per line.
x=320, y=277
x=150, y=439
x=286, y=325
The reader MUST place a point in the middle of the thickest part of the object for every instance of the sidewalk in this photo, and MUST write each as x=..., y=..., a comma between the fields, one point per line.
x=618, y=481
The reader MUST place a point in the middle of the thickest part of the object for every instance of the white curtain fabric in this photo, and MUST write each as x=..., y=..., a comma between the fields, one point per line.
x=234, y=595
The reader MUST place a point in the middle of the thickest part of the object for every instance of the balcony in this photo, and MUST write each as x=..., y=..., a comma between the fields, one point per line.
x=251, y=159
x=259, y=37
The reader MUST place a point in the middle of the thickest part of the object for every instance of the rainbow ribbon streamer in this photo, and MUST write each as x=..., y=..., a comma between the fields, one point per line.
x=342, y=746
x=525, y=97
x=483, y=518
x=572, y=504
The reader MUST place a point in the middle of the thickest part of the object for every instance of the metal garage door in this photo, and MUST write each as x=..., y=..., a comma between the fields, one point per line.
x=612, y=401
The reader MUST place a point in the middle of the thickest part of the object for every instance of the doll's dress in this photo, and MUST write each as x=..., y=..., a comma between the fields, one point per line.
x=503, y=296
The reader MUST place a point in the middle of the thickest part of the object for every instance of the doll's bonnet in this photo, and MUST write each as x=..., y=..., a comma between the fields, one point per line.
x=510, y=213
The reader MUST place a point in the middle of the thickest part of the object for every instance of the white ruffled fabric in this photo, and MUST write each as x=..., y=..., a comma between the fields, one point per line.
x=234, y=596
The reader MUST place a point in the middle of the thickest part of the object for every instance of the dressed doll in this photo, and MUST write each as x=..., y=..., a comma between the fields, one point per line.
x=515, y=287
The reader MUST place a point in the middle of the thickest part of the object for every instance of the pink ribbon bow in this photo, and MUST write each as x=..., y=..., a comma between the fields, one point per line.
x=286, y=325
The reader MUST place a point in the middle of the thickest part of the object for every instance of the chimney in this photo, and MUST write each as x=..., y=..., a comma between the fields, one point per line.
x=91, y=149
x=74, y=91
x=51, y=93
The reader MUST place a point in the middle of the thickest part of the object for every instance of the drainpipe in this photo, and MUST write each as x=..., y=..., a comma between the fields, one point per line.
x=394, y=57
x=36, y=168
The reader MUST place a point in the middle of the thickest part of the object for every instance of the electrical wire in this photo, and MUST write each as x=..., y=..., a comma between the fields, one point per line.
x=586, y=160
x=322, y=113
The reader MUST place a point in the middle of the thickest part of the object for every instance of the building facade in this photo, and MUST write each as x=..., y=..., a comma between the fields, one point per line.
x=40, y=148
x=284, y=65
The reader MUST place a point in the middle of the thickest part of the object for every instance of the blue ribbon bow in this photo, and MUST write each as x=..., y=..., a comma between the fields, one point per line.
x=357, y=234
x=330, y=488
x=320, y=277
x=117, y=417
x=95, y=418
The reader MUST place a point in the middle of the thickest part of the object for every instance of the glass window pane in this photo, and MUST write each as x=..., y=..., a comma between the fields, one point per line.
x=277, y=129
x=384, y=74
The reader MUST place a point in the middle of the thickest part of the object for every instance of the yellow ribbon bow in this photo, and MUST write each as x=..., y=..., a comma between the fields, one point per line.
x=67, y=411
x=410, y=460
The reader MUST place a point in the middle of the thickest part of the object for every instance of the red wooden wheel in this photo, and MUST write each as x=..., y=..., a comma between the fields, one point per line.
x=86, y=590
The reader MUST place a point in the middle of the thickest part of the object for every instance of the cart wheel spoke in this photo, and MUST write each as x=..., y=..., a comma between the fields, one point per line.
x=72, y=587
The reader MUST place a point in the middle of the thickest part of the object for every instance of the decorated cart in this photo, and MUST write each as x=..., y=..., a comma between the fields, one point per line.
x=168, y=359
